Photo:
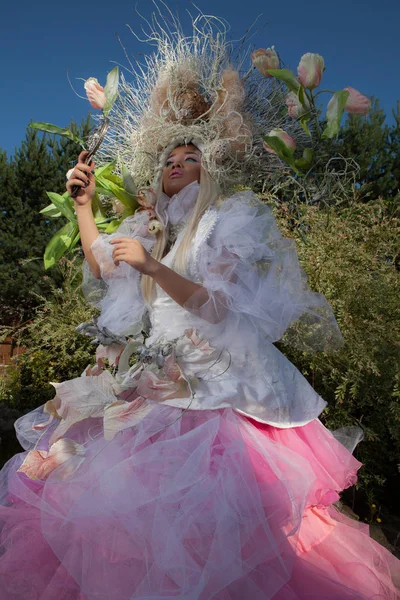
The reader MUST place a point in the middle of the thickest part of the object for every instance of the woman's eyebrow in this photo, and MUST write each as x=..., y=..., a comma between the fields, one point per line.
x=186, y=153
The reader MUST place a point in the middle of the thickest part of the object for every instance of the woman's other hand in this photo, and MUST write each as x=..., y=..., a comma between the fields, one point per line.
x=82, y=176
x=132, y=252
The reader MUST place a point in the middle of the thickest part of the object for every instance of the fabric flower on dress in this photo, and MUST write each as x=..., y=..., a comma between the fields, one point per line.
x=121, y=415
x=147, y=200
x=155, y=226
x=38, y=464
x=166, y=384
x=81, y=398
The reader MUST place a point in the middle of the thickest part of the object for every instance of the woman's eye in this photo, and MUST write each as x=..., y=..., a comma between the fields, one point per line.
x=190, y=158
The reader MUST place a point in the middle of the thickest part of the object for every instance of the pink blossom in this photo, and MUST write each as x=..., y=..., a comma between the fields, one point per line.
x=310, y=70
x=95, y=93
x=357, y=103
x=38, y=464
x=284, y=137
x=295, y=107
x=263, y=60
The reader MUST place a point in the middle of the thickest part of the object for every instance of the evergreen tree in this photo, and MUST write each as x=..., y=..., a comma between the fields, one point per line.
x=39, y=165
x=368, y=141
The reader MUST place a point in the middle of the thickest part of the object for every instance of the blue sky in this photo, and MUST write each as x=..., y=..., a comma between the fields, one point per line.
x=41, y=42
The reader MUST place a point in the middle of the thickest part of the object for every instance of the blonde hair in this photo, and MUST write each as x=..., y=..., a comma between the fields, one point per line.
x=208, y=195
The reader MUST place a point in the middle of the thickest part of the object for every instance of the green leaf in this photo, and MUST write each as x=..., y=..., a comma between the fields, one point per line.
x=111, y=89
x=113, y=226
x=308, y=154
x=59, y=244
x=287, y=76
x=49, y=128
x=280, y=148
x=105, y=170
x=64, y=205
x=117, y=191
x=51, y=211
x=302, y=164
x=97, y=207
x=128, y=183
x=334, y=113
x=303, y=122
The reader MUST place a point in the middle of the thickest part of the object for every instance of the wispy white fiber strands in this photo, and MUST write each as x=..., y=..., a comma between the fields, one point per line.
x=189, y=90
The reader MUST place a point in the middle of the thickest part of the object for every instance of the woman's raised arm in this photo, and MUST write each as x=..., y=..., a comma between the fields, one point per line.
x=83, y=176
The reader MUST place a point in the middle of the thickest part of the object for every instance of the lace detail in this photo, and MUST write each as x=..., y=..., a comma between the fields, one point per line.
x=204, y=230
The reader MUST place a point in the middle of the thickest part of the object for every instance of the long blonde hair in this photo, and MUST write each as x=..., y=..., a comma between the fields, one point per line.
x=208, y=195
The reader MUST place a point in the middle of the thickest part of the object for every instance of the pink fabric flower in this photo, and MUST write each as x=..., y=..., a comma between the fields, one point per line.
x=295, y=107
x=157, y=388
x=263, y=60
x=121, y=415
x=284, y=137
x=95, y=93
x=111, y=352
x=147, y=200
x=38, y=464
x=357, y=103
x=310, y=70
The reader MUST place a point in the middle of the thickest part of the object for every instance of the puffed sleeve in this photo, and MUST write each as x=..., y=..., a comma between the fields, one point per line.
x=253, y=287
x=118, y=292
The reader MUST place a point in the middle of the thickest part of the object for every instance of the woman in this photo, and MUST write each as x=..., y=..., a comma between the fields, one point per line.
x=200, y=469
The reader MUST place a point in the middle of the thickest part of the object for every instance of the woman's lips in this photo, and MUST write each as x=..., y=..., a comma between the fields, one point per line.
x=175, y=174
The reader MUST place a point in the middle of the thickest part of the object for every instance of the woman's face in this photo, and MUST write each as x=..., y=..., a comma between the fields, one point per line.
x=182, y=167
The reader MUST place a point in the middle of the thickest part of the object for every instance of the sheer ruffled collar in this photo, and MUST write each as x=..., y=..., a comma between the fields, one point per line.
x=178, y=208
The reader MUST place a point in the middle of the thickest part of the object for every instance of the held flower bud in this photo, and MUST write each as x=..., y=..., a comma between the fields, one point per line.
x=295, y=107
x=284, y=137
x=265, y=59
x=69, y=173
x=95, y=93
x=357, y=103
x=310, y=69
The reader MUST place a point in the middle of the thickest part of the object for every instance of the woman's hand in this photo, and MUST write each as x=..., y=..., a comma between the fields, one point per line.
x=82, y=176
x=132, y=252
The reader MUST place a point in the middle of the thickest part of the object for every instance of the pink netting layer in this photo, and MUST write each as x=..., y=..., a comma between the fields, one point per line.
x=194, y=505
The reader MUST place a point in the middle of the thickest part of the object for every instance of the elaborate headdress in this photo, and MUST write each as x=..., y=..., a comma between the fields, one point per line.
x=189, y=90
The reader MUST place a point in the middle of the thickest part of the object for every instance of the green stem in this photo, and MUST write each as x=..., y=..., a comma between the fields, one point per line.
x=322, y=91
x=311, y=98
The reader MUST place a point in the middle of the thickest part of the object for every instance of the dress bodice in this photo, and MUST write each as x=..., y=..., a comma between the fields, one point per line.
x=168, y=319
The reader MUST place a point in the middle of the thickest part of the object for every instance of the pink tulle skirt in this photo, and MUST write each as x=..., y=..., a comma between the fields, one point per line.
x=191, y=505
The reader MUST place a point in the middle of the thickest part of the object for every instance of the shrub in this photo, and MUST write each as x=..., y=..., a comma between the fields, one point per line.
x=350, y=255
x=55, y=351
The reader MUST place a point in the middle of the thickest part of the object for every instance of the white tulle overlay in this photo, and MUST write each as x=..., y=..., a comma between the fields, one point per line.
x=118, y=293
x=200, y=471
